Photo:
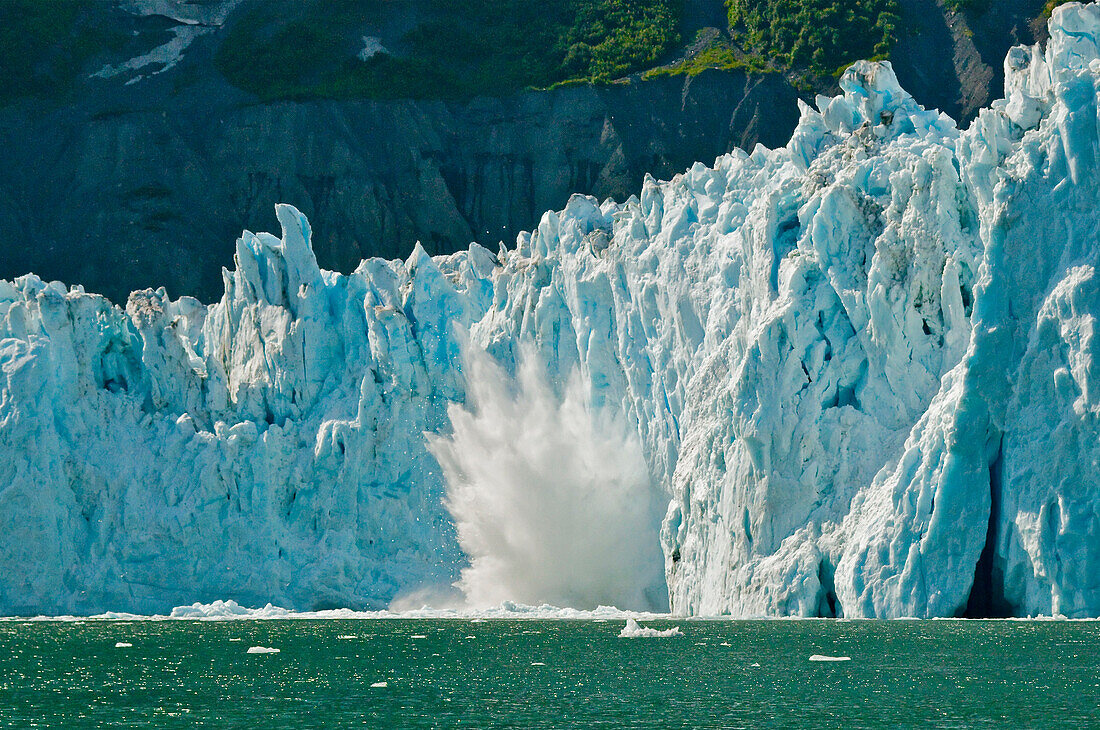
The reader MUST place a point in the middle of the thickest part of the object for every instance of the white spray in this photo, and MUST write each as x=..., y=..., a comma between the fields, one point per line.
x=552, y=499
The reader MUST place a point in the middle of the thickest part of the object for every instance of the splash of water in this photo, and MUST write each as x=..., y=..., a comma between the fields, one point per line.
x=551, y=498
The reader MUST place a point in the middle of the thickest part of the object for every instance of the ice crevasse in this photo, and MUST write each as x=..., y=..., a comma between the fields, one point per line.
x=861, y=369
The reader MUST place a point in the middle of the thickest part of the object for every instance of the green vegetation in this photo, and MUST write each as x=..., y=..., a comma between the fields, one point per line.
x=719, y=56
x=1048, y=9
x=822, y=36
x=45, y=45
x=973, y=7
x=457, y=50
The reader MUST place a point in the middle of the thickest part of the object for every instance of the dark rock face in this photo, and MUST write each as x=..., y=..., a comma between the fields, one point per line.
x=954, y=61
x=150, y=197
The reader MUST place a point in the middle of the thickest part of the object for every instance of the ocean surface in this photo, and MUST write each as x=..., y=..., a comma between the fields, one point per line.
x=548, y=673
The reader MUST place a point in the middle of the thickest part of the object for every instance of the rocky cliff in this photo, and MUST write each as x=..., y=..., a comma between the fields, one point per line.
x=126, y=196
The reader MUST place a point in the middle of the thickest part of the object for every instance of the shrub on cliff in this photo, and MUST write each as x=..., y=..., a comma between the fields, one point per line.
x=819, y=35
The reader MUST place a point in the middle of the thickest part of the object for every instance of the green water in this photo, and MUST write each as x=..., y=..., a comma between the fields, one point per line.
x=548, y=674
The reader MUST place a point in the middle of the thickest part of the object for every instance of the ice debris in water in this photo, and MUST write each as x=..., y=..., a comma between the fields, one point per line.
x=262, y=650
x=861, y=372
x=227, y=610
x=633, y=630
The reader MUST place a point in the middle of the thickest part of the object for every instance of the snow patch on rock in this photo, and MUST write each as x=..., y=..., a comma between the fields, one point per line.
x=194, y=20
x=372, y=46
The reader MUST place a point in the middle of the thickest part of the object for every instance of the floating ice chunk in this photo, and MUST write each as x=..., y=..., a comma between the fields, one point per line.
x=633, y=630
x=262, y=650
x=227, y=610
x=123, y=645
x=379, y=685
x=827, y=658
x=231, y=610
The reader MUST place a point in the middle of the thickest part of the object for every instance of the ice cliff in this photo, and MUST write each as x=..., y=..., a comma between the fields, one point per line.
x=860, y=371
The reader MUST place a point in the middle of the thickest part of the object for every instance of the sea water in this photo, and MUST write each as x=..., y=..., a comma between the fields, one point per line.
x=557, y=673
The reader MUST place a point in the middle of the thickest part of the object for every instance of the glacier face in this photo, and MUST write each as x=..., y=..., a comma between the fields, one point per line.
x=860, y=370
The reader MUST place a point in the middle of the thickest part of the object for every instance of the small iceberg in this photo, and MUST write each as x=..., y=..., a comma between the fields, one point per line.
x=123, y=645
x=633, y=631
x=827, y=658
x=262, y=650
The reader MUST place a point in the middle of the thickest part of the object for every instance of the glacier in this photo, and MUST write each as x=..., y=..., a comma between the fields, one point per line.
x=860, y=371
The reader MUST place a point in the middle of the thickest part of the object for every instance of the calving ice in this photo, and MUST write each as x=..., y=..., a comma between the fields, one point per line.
x=853, y=376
